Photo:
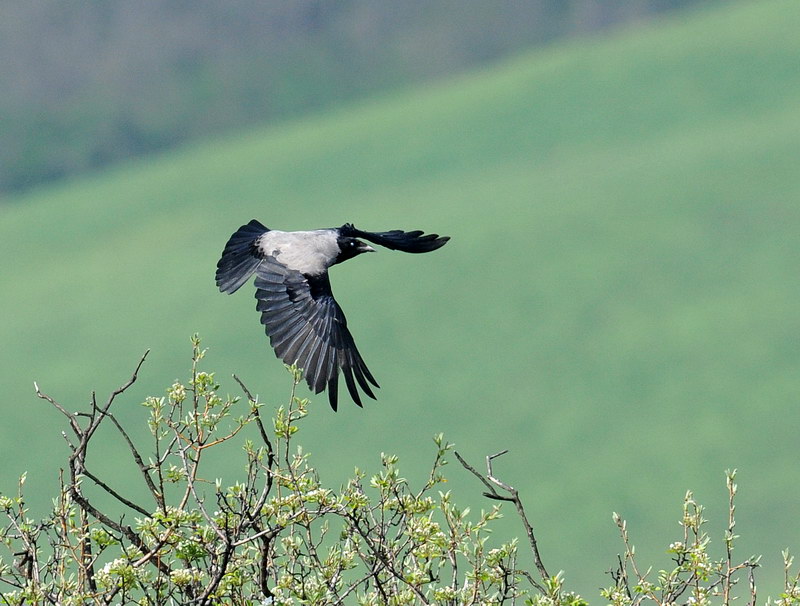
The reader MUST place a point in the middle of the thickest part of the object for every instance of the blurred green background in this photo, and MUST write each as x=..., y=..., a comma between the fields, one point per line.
x=617, y=306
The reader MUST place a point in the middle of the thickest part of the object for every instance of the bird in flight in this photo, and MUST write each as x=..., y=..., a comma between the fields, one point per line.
x=304, y=322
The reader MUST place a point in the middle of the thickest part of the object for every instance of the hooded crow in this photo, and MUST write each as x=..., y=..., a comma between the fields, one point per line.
x=303, y=321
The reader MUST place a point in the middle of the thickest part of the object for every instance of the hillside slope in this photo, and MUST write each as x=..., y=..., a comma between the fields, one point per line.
x=617, y=306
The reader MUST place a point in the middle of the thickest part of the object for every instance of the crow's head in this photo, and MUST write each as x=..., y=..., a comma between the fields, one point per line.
x=351, y=247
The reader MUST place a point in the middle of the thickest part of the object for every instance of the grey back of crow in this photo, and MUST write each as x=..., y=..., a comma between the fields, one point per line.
x=304, y=322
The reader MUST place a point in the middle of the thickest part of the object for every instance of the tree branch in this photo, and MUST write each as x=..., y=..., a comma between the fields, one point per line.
x=490, y=481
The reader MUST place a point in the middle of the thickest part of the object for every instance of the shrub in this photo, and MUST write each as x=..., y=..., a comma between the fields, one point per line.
x=279, y=535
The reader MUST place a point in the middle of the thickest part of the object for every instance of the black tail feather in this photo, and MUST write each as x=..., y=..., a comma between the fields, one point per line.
x=397, y=239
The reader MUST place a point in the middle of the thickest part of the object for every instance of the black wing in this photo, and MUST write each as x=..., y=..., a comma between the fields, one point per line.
x=397, y=239
x=307, y=327
x=240, y=257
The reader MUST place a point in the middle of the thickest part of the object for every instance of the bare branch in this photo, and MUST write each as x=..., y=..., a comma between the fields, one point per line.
x=124, y=387
x=492, y=492
x=514, y=498
x=144, y=469
x=73, y=423
x=115, y=494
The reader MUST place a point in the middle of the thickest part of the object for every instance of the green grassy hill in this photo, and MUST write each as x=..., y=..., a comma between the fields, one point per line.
x=618, y=305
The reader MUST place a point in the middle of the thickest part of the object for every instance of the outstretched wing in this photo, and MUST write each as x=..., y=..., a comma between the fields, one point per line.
x=307, y=327
x=397, y=239
x=240, y=257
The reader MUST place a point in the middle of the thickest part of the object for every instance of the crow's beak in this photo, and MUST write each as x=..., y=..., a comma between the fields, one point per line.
x=365, y=248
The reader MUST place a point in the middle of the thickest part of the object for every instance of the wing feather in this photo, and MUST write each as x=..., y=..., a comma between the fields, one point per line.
x=307, y=327
x=240, y=257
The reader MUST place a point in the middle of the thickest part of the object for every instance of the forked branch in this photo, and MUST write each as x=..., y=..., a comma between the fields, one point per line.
x=492, y=483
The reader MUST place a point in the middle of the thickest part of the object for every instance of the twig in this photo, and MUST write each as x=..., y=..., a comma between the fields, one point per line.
x=114, y=493
x=381, y=556
x=729, y=537
x=490, y=481
x=751, y=579
x=73, y=423
x=145, y=469
x=77, y=462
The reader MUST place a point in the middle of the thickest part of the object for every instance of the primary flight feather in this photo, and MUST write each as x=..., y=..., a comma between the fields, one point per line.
x=304, y=322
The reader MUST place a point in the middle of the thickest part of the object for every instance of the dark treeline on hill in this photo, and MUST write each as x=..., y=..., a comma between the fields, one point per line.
x=85, y=84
